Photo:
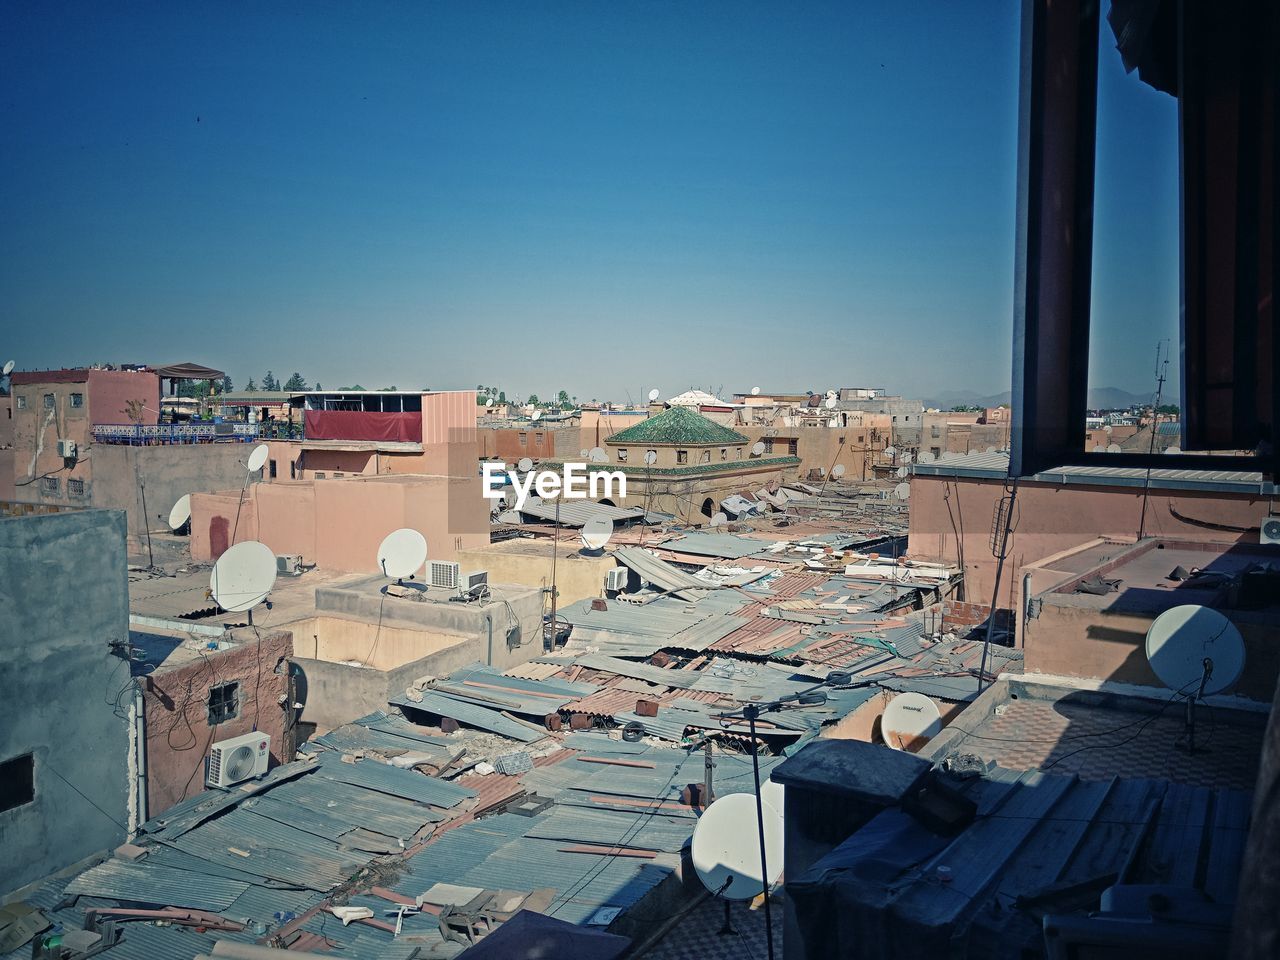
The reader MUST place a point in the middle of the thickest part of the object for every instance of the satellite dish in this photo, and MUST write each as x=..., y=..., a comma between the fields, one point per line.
x=831, y=403
x=583, y=453
x=992, y=450
x=719, y=519
x=726, y=847
x=890, y=451
x=525, y=465
x=653, y=394
x=838, y=470
x=1099, y=448
x=755, y=391
x=8, y=369
x=243, y=576
x=181, y=512
x=924, y=456
x=757, y=448
x=903, y=472
x=1184, y=642
x=902, y=491
x=651, y=457
x=1107, y=428
x=910, y=721
x=775, y=795
x=596, y=532
x=597, y=455
x=1172, y=449
x=831, y=393
x=1113, y=448
x=907, y=456
x=258, y=457
x=402, y=553
x=535, y=415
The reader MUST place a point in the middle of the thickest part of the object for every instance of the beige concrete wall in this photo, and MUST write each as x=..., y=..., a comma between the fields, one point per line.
x=528, y=563
x=379, y=647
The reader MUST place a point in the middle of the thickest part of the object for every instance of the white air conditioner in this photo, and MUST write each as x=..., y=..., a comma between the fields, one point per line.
x=237, y=759
x=444, y=573
x=289, y=565
x=67, y=449
x=479, y=578
x=616, y=579
x=1270, y=531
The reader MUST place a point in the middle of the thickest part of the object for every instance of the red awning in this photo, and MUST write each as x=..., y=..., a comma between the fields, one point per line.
x=361, y=425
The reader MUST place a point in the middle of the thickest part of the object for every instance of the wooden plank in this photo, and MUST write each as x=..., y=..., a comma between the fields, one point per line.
x=612, y=761
x=591, y=848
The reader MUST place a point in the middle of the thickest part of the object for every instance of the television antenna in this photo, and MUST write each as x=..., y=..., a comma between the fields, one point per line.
x=243, y=577
x=1191, y=646
x=596, y=533
x=180, y=513
x=910, y=721
x=402, y=554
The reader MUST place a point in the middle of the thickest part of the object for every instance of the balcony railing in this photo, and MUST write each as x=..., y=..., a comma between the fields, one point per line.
x=147, y=435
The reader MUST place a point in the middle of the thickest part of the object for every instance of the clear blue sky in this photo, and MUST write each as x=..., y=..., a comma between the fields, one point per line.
x=596, y=196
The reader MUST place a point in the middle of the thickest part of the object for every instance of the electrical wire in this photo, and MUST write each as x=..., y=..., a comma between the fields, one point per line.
x=44, y=762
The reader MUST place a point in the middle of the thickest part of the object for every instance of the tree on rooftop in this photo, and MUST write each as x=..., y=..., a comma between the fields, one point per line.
x=269, y=382
x=251, y=385
x=295, y=382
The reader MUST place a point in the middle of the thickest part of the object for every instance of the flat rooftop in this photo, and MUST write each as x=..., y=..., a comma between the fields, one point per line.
x=1020, y=723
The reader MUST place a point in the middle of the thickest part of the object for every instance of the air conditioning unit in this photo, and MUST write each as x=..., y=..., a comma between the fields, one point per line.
x=236, y=759
x=67, y=449
x=616, y=579
x=479, y=578
x=289, y=565
x=1270, y=530
x=443, y=573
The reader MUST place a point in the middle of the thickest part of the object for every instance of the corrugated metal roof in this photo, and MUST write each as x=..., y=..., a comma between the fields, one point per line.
x=576, y=513
x=726, y=545
x=470, y=714
x=151, y=883
x=396, y=781
x=660, y=573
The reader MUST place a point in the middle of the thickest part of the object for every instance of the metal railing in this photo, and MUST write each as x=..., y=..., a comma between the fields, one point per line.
x=158, y=434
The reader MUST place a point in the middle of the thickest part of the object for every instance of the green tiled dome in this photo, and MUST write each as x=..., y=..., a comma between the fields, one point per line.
x=678, y=426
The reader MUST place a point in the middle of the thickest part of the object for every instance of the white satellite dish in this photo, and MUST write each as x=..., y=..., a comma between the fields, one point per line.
x=596, y=532
x=524, y=465
x=653, y=394
x=1099, y=448
x=910, y=721
x=597, y=455
x=1113, y=448
x=583, y=453
x=1184, y=642
x=775, y=795
x=757, y=448
x=535, y=415
x=651, y=457
x=903, y=472
x=890, y=451
x=831, y=403
x=755, y=391
x=243, y=576
x=902, y=491
x=726, y=847
x=924, y=456
x=907, y=456
x=258, y=457
x=831, y=393
x=1107, y=428
x=181, y=512
x=719, y=519
x=402, y=553
x=8, y=368
x=838, y=470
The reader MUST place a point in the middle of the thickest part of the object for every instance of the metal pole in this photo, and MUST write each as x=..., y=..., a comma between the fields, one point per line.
x=752, y=712
x=555, y=549
x=146, y=524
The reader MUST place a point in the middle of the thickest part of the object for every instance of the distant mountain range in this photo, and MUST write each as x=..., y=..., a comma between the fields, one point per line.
x=1100, y=398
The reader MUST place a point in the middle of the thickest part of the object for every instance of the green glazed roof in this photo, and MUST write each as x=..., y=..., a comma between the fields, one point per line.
x=677, y=426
